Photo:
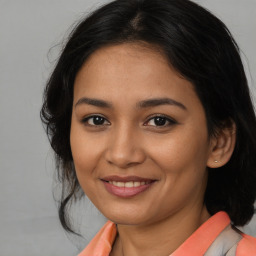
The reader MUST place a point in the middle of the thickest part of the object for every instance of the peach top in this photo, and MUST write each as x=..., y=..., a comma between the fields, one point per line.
x=214, y=237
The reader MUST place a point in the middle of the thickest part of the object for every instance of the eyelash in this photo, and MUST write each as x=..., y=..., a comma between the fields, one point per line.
x=166, y=119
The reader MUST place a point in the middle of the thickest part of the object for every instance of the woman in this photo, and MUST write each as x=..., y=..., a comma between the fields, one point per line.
x=149, y=113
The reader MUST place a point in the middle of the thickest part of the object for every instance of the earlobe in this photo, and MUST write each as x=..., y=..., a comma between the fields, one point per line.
x=222, y=146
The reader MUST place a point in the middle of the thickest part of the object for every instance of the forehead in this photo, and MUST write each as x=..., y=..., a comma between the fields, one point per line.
x=133, y=50
x=130, y=71
x=123, y=60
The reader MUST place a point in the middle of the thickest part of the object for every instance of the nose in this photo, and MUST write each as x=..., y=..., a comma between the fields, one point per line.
x=125, y=148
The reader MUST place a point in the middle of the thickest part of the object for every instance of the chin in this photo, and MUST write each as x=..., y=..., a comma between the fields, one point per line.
x=127, y=218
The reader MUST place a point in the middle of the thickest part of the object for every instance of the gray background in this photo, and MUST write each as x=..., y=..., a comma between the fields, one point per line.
x=28, y=29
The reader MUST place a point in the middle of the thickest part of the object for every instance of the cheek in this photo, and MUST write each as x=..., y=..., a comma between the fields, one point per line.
x=183, y=149
x=182, y=161
x=84, y=161
x=85, y=153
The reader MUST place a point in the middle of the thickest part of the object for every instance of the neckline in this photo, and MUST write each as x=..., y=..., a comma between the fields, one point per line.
x=196, y=244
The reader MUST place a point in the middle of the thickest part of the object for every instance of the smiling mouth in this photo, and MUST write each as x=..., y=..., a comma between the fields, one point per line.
x=129, y=184
x=126, y=186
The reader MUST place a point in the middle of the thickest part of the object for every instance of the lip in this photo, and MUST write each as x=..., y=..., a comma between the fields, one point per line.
x=126, y=192
x=126, y=178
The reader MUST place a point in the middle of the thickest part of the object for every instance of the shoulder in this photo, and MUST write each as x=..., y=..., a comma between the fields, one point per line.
x=246, y=246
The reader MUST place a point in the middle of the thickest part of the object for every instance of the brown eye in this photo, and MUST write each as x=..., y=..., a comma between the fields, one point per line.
x=95, y=120
x=160, y=121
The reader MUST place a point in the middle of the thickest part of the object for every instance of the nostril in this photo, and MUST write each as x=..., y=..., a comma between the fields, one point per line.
x=125, y=157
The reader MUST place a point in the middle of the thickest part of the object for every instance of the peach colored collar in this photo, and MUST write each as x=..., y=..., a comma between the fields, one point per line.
x=204, y=236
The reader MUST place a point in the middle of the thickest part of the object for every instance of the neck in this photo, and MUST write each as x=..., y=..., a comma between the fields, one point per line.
x=159, y=238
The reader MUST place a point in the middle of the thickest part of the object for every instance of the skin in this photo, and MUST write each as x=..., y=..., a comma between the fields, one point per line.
x=130, y=142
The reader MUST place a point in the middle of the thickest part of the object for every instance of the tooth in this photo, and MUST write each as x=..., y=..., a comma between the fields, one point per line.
x=120, y=184
x=129, y=184
x=136, y=184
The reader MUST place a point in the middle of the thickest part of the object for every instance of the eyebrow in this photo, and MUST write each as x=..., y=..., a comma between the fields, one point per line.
x=142, y=104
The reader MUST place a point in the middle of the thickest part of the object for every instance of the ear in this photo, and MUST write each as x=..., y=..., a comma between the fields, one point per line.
x=222, y=146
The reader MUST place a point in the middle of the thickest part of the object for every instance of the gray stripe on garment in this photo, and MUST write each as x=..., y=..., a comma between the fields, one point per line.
x=225, y=244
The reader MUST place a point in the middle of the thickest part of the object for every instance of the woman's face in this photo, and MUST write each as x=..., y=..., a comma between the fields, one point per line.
x=138, y=136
